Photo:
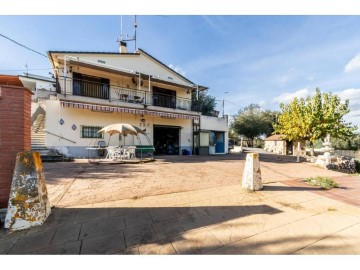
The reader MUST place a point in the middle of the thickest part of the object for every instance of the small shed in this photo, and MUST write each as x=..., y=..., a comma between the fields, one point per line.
x=276, y=144
x=280, y=145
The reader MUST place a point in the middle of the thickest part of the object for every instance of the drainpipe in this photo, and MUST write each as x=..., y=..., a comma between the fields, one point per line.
x=65, y=75
x=139, y=81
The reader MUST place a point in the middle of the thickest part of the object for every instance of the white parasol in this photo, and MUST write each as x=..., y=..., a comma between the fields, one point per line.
x=122, y=128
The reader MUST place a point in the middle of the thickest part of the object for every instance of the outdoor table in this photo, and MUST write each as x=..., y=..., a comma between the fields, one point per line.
x=93, y=152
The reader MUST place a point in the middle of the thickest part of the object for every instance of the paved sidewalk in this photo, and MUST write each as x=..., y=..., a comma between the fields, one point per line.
x=227, y=220
x=192, y=205
x=347, y=192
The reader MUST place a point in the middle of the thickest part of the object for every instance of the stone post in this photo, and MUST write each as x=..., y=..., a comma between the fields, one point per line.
x=252, y=174
x=28, y=202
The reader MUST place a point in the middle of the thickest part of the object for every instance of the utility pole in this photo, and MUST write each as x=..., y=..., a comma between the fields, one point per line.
x=223, y=105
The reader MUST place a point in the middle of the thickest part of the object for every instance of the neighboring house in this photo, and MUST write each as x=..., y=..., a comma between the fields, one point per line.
x=211, y=137
x=278, y=144
x=95, y=89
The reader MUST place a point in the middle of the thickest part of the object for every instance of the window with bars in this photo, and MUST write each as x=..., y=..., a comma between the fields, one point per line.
x=90, y=132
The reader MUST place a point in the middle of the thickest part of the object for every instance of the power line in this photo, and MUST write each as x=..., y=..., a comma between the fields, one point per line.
x=23, y=45
x=234, y=103
x=3, y=70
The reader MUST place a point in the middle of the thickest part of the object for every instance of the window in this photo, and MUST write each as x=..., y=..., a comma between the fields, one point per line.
x=91, y=132
x=90, y=86
x=164, y=97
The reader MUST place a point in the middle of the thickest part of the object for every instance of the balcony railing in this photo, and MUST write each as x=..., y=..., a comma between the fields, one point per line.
x=83, y=88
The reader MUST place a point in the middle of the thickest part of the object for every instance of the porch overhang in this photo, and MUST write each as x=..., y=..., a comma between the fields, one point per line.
x=109, y=109
x=130, y=73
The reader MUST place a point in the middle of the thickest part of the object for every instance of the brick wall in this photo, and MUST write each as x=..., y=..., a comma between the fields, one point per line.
x=15, y=125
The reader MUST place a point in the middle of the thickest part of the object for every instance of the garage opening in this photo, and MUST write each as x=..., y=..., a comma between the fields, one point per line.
x=167, y=140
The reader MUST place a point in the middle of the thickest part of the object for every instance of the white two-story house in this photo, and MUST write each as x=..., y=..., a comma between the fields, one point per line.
x=96, y=89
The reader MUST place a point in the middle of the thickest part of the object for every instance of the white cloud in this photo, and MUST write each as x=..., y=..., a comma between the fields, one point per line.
x=177, y=69
x=287, y=97
x=262, y=103
x=352, y=94
x=355, y=114
x=353, y=64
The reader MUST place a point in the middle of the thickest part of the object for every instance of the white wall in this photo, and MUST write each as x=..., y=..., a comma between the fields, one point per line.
x=302, y=152
x=78, y=117
x=214, y=123
x=132, y=62
x=278, y=147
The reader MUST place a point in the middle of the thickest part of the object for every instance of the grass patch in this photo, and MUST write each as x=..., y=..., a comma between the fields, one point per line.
x=291, y=205
x=322, y=182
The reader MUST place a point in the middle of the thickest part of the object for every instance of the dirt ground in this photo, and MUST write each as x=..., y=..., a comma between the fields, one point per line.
x=81, y=183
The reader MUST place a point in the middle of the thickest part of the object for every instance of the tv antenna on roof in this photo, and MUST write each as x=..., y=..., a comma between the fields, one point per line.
x=128, y=38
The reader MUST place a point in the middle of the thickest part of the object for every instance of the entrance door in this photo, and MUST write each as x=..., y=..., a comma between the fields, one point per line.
x=289, y=147
x=217, y=139
x=166, y=140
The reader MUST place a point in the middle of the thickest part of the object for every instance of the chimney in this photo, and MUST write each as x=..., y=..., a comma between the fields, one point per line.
x=123, y=48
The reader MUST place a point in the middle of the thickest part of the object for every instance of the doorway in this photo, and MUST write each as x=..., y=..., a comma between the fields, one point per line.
x=167, y=140
x=289, y=148
x=217, y=140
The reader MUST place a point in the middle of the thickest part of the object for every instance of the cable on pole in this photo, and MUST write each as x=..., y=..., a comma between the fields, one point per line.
x=23, y=45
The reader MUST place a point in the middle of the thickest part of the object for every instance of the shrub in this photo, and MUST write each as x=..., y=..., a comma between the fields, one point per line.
x=259, y=143
x=357, y=165
x=322, y=182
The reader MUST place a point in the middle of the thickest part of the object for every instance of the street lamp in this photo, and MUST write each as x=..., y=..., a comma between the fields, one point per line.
x=223, y=105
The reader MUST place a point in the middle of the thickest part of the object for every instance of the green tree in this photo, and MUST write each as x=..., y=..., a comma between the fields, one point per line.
x=314, y=117
x=253, y=122
x=350, y=143
x=203, y=103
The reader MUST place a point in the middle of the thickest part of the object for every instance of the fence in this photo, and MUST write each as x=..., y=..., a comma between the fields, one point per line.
x=105, y=91
x=348, y=153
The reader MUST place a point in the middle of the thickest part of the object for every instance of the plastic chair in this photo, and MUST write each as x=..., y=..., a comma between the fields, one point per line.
x=131, y=152
x=113, y=153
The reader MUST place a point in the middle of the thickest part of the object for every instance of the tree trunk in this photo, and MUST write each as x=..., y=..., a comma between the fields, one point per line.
x=311, y=149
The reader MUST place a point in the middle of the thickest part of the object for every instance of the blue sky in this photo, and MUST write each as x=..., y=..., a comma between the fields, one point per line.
x=256, y=59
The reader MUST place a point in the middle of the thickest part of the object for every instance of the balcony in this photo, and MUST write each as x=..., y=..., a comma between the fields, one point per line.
x=76, y=87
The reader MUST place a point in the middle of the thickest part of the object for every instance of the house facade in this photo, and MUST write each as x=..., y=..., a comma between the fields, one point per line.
x=96, y=89
x=278, y=144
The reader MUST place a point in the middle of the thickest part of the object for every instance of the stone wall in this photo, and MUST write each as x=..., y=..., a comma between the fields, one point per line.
x=15, y=125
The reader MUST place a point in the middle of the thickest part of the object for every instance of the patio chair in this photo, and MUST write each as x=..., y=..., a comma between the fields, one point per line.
x=140, y=100
x=124, y=153
x=113, y=153
x=131, y=152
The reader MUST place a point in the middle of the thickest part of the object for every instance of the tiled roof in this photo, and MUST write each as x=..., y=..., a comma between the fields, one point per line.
x=276, y=137
x=10, y=80
x=84, y=52
x=136, y=53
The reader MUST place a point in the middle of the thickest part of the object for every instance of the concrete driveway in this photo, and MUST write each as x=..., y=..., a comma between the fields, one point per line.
x=189, y=205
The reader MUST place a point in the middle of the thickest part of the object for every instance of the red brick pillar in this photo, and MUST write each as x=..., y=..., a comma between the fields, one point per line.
x=15, y=125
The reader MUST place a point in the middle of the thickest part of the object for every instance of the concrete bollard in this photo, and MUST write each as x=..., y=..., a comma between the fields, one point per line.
x=28, y=202
x=252, y=174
